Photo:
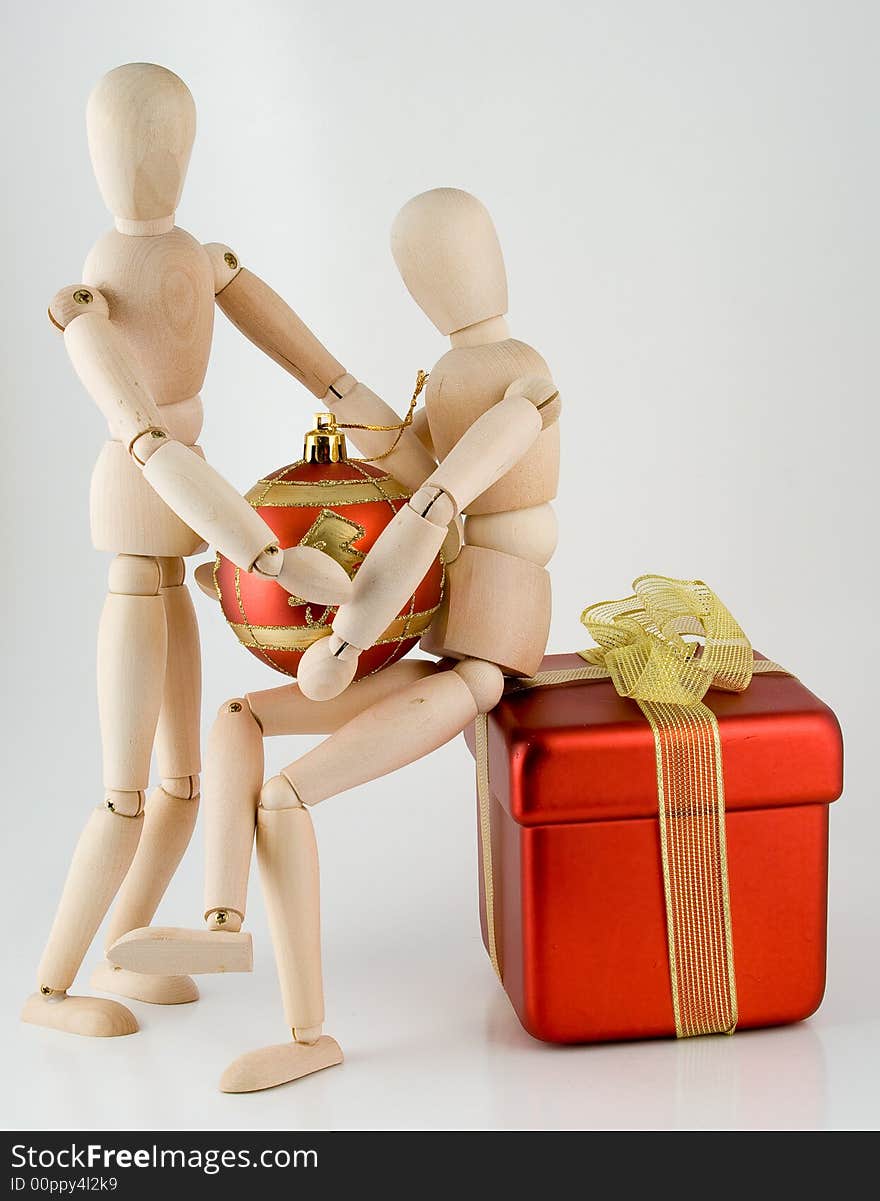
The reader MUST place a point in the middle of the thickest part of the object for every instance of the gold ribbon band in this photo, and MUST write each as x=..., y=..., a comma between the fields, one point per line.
x=690, y=797
x=641, y=649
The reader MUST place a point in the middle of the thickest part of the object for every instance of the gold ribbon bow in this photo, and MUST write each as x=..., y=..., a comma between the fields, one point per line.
x=642, y=648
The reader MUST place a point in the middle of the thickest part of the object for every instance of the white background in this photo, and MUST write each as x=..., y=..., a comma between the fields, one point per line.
x=687, y=197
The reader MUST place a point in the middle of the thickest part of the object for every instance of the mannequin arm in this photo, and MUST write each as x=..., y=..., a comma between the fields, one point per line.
x=187, y=484
x=269, y=322
x=406, y=548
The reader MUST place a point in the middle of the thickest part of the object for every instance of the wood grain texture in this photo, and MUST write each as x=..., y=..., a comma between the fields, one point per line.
x=270, y=1066
x=395, y=731
x=107, y=371
x=161, y=296
x=231, y=793
x=168, y=825
x=141, y=122
x=225, y=264
x=94, y=1017
x=526, y=533
x=446, y=249
x=169, y=951
x=269, y=322
x=288, y=858
x=285, y=710
x=488, y=450
x=132, y=644
x=468, y=381
x=495, y=607
x=422, y=431
x=128, y=516
x=103, y=855
x=493, y=329
x=154, y=990
x=207, y=503
x=75, y=301
x=327, y=669
x=485, y=681
x=184, y=419
x=178, y=735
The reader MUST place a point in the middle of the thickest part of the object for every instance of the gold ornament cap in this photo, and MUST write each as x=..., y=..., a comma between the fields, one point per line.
x=326, y=442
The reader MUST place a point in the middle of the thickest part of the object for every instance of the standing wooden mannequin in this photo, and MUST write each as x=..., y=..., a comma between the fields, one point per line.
x=138, y=329
x=491, y=421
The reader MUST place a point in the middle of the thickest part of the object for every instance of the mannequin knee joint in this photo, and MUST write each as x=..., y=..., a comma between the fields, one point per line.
x=239, y=710
x=279, y=793
x=185, y=788
x=485, y=680
x=124, y=804
x=224, y=919
x=135, y=575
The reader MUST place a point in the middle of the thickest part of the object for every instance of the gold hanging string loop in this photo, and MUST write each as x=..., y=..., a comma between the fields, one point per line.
x=399, y=427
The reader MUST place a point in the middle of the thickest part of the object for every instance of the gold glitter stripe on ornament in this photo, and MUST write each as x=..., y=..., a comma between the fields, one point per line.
x=299, y=494
x=387, y=493
x=300, y=638
x=642, y=651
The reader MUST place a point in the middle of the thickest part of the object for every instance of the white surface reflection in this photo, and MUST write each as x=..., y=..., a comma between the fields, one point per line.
x=753, y=1080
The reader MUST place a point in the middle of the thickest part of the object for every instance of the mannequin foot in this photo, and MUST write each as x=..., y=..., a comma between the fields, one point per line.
x=157, y=990
x=271, y=1066
x=168, y=951
x=94, y=1017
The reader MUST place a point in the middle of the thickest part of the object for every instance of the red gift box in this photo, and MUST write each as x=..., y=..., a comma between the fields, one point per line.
x=580, y=925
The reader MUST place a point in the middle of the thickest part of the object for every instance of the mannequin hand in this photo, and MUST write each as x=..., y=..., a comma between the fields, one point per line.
x=327, y=668
x=306, y=572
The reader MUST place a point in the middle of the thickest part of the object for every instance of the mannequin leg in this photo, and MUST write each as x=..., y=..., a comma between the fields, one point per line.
x=171, y=809
x=403, y=727
x=131, y=667
x=288, y=857
x=233, y=778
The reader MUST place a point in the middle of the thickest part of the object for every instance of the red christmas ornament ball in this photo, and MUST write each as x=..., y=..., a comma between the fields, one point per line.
x=340, y=507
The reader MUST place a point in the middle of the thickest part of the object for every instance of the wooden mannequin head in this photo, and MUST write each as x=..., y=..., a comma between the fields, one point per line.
x=141, y=123
x=447, y=251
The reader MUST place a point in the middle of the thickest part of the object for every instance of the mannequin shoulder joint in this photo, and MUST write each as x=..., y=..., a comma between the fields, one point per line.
x=225, y=264
x=75, y=301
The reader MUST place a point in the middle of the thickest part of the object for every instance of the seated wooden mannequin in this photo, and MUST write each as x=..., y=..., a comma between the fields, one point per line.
x=491, y=424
